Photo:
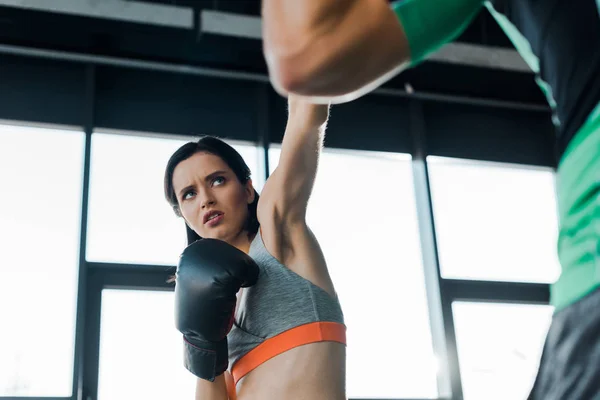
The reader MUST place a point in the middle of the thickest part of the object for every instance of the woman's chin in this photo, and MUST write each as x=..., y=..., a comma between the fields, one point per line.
x=217, y=233
x=226, y=232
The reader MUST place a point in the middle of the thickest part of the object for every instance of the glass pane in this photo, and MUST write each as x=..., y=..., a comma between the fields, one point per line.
x=41, y=174
x=499, y=348
x=494, y=222
x=129, y=219
x=141, y=357
x=363, y=213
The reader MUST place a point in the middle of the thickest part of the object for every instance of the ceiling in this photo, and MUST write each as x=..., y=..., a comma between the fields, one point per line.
x=24, y=24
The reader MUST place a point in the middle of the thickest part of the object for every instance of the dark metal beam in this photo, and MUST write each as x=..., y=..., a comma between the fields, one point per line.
x=505, y=292
x=250, y=27
x=263, y=128
x=92, y=338
x=126, y=11
x=35, y=398
x=465, y=100
x=440, y=313
x=135, y=280
x=153, y=268
x=80, y=325
x=237, y=75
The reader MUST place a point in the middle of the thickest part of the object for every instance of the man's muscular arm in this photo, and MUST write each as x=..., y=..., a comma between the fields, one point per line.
x=338, y=50
x=331, y=48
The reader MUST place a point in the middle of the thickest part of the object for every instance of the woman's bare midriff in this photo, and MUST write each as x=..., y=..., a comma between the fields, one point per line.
x=314, y=371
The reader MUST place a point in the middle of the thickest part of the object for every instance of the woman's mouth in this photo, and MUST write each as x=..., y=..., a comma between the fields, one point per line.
x=213, y=219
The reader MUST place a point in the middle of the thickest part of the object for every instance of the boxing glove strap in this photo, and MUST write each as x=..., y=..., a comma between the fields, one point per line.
x=295, y=337
x=205, y=360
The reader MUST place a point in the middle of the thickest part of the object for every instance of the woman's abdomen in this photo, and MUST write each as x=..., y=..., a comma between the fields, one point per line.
x=316, y=371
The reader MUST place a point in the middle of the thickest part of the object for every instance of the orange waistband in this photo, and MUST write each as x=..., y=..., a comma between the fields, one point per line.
x=298, y=336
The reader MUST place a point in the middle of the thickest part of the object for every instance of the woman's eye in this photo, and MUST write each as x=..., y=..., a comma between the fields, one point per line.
x=187, y=195
x=219, y=180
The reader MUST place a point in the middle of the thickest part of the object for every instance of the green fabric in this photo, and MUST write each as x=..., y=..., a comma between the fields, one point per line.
x=578, y=184
x=518, y=40
x=430, y=24
x=524, y=48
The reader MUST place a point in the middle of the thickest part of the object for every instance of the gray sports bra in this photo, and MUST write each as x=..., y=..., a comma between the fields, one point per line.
x=279, y=301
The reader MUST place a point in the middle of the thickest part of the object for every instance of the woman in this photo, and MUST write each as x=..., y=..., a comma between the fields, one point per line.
x=288, y=337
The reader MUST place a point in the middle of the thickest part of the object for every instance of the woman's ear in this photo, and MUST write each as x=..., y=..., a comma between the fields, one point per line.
x=250, y=192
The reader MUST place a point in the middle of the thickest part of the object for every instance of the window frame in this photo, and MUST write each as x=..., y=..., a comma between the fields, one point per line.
x=413, y=133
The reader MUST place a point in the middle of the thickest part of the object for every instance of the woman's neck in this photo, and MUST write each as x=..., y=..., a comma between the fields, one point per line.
x=243, y=241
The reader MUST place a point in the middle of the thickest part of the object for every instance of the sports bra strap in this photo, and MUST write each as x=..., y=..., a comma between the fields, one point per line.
x=304, y=334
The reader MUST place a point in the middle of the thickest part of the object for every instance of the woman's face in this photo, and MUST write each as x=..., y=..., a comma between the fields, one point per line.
x=212, y=200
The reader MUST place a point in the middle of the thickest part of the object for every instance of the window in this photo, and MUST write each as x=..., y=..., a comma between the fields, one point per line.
x=499, y=348
x=40, y=209
x=494, y=222
x=363, y=213
x=141, y=357
x=129, y=219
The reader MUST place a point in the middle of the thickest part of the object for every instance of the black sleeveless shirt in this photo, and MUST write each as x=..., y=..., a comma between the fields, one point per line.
x=565, y=37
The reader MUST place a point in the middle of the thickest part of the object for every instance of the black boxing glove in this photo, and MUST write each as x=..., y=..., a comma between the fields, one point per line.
x=209, y=274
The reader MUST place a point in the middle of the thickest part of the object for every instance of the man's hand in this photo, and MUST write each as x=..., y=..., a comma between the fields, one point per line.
x=332, y=51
